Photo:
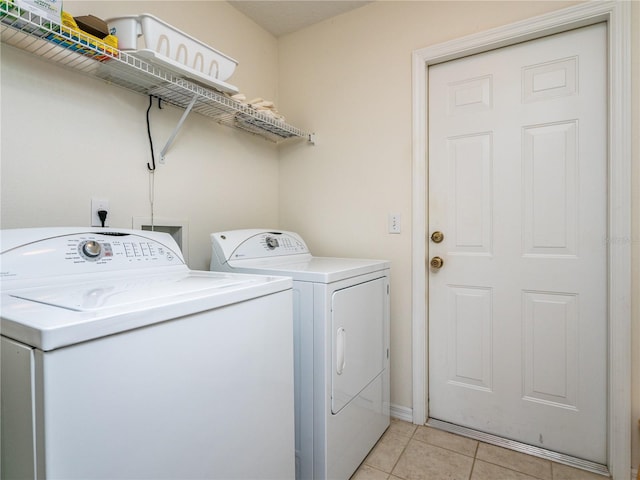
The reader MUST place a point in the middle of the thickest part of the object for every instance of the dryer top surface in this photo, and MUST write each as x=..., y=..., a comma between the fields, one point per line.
x=276, y=252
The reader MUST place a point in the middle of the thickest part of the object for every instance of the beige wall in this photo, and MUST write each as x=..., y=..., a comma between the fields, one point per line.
x=349, y=79
x=66, y=138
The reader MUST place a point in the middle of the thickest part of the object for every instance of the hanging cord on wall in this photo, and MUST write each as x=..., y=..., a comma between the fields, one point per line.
x=152, y=194
x=152, y=166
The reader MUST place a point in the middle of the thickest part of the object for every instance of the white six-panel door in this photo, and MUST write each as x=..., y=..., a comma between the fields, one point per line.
x=517, y=186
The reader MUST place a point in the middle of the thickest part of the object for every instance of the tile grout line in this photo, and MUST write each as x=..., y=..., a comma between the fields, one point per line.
x=402, y=452
x=475, y=457
x=531, y=451
x=513, y=469
x=495, y=462
x=447, y=448
x=364, y=462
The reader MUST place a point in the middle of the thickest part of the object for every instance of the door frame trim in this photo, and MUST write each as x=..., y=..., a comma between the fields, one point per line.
x=617, y=15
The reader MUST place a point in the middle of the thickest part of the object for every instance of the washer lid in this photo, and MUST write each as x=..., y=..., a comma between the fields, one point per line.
x=95, y=306
x=121, y=292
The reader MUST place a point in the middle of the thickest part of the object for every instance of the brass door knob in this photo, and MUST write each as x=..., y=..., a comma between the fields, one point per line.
x=436, y=262
x=437, y=237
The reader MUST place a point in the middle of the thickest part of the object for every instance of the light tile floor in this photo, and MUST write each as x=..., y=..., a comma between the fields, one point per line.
x=411, y=452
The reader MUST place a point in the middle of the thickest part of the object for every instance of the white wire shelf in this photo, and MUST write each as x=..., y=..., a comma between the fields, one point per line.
x=70, y=48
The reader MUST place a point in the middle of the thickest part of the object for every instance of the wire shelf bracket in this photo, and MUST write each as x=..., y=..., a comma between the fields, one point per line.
x=184, y=116
x=311, y=138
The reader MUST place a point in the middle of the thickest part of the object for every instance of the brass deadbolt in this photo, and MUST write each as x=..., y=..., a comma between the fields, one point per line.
x=437, y=237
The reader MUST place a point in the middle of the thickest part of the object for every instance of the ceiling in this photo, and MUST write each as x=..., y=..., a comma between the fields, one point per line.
x=280, y=17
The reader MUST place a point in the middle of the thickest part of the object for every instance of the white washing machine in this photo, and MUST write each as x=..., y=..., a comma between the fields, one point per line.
x=119, y=362
x=341, y=329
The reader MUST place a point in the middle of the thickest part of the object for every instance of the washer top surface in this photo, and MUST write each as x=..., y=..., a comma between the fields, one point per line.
x=276, y=252
x=64, y=286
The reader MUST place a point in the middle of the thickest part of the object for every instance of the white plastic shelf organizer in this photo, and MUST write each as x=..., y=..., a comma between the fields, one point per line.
x=85, y=54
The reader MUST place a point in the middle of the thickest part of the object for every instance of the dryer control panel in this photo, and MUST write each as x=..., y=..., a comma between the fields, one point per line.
x=254, y=244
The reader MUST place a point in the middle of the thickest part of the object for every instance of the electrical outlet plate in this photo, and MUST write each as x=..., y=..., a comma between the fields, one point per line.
x=99, y=204
x=394, y=221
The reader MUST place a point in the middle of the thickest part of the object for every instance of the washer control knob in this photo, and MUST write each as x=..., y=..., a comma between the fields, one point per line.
x=271, y=242
x=91, y=249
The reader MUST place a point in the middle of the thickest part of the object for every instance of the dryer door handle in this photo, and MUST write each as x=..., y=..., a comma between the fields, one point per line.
x=341, y=345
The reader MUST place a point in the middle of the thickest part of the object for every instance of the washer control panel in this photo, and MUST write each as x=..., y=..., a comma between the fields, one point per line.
x=89, y=252
x=132, y=251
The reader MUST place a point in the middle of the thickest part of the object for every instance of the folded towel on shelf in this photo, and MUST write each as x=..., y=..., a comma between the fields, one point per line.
x=265, y=107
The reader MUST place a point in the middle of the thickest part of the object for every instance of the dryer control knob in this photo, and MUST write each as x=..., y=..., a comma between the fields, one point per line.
x=91, y=249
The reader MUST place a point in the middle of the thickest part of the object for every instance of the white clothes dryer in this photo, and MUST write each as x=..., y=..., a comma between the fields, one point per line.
x=119, y=362
x=341, y=347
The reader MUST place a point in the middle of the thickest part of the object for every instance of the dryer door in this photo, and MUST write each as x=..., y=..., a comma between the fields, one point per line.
x=357, y=320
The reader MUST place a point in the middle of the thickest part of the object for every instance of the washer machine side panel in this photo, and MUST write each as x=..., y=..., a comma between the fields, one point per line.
x=303, y=371
x=178, y=399
x=18, y=458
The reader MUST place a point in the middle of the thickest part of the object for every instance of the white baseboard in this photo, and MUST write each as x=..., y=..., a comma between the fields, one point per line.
x=634, y=473
x=402, y=413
